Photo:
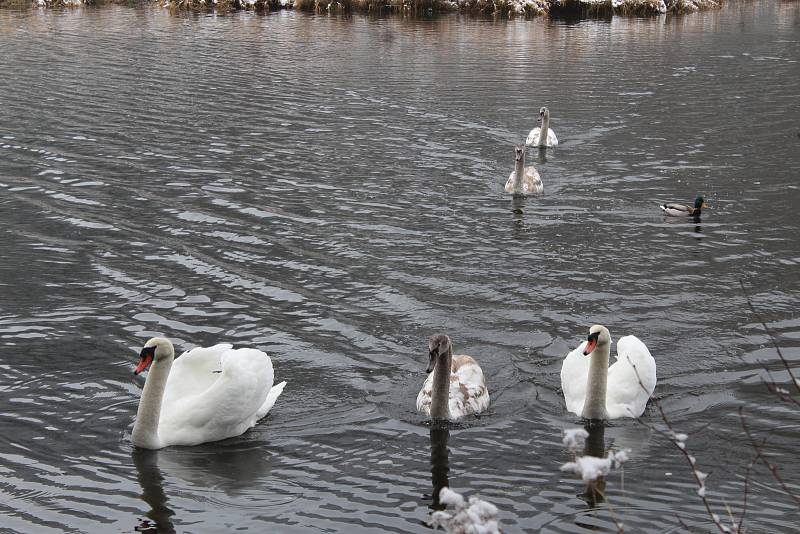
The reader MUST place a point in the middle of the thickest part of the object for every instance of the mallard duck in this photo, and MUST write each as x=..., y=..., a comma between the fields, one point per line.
x=594, y=390
x=455, y=386
x=682, y=210
x=523, y=180
x=536, y=137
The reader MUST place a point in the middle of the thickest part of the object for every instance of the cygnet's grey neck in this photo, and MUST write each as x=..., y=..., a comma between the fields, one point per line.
x=440, y=396
x=519, y=174
x=544, y=129
x=594, y=407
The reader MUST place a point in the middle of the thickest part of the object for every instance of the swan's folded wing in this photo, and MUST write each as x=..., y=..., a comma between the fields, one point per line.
x=552, y=140
x=533, y=136
x=468, y=393
x=194, y=372
x=272, y=396
x=225, y=409
x=626, y=397
x=424, y=396
x=574, y=375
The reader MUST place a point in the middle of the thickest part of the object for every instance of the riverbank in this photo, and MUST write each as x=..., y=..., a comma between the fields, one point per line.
x=510, y=8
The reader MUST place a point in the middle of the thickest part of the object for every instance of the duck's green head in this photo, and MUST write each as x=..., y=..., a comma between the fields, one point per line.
x=700, y=202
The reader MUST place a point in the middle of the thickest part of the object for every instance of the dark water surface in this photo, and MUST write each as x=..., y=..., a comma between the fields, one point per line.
x=330, y=190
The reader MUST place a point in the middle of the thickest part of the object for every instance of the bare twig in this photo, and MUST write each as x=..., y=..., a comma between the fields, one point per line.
x=771, y=338
x=747, y=481
x=770, y=466
x=596, y=488
x=679, y=441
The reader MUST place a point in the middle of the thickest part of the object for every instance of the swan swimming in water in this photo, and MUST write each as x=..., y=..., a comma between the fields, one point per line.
x=535, y=138
x=682, y=210
x=455, y=386
x=523, y=180
x=593, y=390
x=206, y=395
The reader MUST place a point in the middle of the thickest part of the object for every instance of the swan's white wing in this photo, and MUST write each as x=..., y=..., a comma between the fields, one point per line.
x=552, y=140
x=193, y=372
x=625, y=396
x=574, y=376
x=468, y=391
x=533, y=136
x=227, y=408
x=532, y=184
x=424, y=396
x=510, y=182
x=272, y=396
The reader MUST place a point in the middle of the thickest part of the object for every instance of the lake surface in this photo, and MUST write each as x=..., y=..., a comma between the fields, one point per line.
x=329, y=189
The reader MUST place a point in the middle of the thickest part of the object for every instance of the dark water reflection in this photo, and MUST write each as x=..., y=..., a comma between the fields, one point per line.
x=159, y=517
x=440, y=460
x=331, y=190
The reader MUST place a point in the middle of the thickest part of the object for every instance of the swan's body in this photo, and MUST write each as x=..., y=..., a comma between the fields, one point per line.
x=206, y=395
x=682, y=210
x=535, y=137
x=593, y=390
x=523, y=180
x=455, y=386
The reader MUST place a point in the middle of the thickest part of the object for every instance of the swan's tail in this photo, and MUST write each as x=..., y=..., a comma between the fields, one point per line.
x=272, y=396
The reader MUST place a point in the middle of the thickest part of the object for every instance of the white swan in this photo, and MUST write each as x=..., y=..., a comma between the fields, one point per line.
x=535, y=138
x=594, y=390
x=455, y=386
x=207, y=394
x=523, y=180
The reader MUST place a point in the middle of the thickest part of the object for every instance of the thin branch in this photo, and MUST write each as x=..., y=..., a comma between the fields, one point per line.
x=679, y=441
x=770, y=466
x=771, y=337
x=747, y=480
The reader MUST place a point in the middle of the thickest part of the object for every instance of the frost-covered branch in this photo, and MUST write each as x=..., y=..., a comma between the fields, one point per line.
x=773, y=469
x=775, y=388
x=465, y=517
x=678, y=439
x=593, y=469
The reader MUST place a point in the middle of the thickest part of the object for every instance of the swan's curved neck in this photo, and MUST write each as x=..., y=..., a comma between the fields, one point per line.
x=595, y=405
x=145, y=429
x=544, y=130
x=519, y=173
x=440, y=396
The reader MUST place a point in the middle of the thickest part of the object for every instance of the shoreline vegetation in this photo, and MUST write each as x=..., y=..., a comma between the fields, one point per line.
x=509, y=8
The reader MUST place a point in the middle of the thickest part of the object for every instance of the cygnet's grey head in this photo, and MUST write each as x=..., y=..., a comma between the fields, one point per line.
x=598, y=336
x=439, y=346
x=544, y=113
x=519, y=151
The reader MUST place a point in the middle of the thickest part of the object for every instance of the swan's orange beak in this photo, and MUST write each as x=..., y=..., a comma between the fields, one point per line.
x=144, y=363
x=590, y=346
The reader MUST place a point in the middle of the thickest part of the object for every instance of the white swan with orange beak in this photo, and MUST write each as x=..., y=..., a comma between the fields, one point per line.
x=594, y=391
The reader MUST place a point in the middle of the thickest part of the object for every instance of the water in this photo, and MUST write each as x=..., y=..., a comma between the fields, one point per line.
x=330, y=190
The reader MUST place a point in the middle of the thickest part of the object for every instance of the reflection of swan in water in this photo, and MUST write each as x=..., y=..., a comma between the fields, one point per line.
x=230, y=468
x=440, y=434
x=151, y=480
x=595, y=446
